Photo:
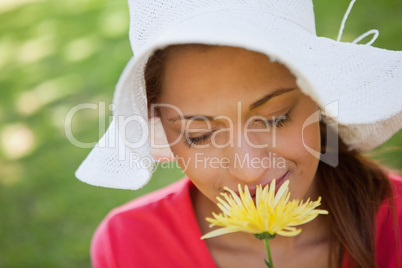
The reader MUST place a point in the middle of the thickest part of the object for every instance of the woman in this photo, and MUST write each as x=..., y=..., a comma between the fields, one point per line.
x=279, y=103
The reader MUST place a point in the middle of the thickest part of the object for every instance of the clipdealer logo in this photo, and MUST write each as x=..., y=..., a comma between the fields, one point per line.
x=130, y=133
x=200, y=160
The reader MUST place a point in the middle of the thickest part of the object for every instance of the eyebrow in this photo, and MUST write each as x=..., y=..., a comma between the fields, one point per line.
x=192, y=117
x=269, y=96
x=254, y=105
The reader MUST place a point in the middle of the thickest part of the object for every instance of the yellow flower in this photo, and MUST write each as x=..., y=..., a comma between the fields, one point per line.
x=272, y=214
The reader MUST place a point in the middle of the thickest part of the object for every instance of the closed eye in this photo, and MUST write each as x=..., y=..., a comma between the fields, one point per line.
x=203, y=139
x=192, y=141
x=277, y=122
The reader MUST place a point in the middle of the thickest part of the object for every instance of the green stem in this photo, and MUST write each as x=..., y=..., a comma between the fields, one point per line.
x=269, y=263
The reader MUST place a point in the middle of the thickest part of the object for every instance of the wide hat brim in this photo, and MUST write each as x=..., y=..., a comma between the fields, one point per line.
x=359, y=86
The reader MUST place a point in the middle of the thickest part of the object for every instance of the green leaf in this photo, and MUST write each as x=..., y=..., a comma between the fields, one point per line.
x=268, y=264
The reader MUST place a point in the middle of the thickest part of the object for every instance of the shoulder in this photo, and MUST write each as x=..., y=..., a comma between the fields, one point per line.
x=391, y=208
x=128, y=232
x=159, y=201
x=389, y=227
x=148, y=210
x=396, y=182
x=394, y=205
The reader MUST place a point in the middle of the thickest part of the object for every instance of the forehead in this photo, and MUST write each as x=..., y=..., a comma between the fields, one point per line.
x=213, y=74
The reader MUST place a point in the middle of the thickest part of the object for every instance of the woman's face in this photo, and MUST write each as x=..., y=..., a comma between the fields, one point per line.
x=238, y=118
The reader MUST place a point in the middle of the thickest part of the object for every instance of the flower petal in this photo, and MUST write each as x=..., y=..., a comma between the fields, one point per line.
x=217, y=232
x=272, y=212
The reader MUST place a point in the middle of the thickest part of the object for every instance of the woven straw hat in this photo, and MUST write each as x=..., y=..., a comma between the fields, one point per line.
x=364, y=82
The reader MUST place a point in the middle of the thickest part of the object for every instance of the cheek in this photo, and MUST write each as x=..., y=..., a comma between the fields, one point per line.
x=311, y=140
x=310, y=151
x=177, y=146
x=304, y=132
x=296, y=143
x=205, y=175
x=190, y=160
x=301, y=147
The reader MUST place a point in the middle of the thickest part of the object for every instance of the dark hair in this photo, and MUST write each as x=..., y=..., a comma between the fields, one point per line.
x=354, y=190
x=154, y=71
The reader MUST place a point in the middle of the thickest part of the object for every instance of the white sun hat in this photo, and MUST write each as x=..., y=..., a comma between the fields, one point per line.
x=364, y=82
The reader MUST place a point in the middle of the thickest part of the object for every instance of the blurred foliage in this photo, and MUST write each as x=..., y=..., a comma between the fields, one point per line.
x=55, y=55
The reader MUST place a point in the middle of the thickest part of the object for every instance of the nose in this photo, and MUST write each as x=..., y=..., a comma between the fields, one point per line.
x=248, y=163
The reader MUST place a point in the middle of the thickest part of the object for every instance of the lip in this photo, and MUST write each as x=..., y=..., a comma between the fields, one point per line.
x=278, y=184
x=281, y=180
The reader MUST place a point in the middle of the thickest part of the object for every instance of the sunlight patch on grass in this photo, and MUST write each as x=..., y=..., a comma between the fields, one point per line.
x=31, y=101
x=7, y=52
x=81, y=49
x=58, y=116
x=9, y=5
x=114, y=24
x=17, y=140
x=36, y=49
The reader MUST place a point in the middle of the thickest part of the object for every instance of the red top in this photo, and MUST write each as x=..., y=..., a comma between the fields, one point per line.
x=160, y=230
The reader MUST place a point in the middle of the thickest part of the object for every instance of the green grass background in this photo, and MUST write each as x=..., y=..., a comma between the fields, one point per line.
x=56, y=54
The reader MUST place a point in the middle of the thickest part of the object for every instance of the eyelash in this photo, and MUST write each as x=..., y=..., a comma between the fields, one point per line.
x=279, y=122
x=190, y=142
